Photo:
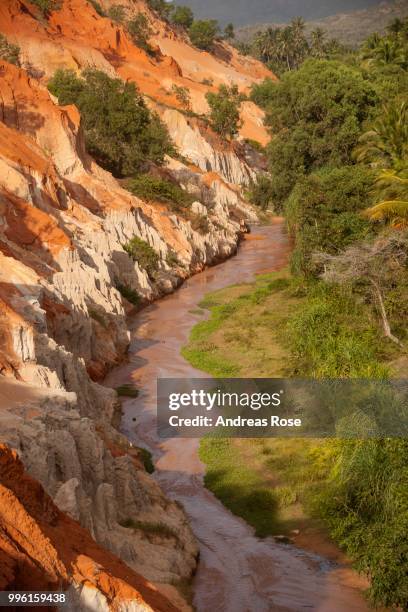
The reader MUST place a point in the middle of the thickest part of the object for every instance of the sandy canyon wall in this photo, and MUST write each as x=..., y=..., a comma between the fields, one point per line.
x=63, y=223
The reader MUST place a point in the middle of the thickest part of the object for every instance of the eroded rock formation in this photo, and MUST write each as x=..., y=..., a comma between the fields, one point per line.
x=63, y=224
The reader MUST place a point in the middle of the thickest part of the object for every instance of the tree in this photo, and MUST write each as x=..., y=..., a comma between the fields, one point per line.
x=261, y=193
x=372, y=267
x=323, y=213
x=315, y=116
x=229, y=31
x=182, y=16
x=224, y=110
x=140, y=31
x=318, y=43
x=120, y=131
x=203, y=33
x=386, y=142
x=392, y=187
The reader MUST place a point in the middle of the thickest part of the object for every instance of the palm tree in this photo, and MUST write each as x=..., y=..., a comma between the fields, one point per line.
x=393, y=209
x=396, y=26
x=318, y=43
x=386, y=143
x=299, y=41
x=389, y=51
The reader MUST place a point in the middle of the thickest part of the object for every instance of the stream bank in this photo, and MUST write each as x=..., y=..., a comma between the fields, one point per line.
x=237, y=572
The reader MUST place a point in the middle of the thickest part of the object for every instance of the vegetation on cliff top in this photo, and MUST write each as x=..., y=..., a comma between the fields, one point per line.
x=120, y=131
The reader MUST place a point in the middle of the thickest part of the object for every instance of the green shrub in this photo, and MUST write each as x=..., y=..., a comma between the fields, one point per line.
x=182, y=16
x=45, y=6
x=334, y=336
x=261, y=193
x=183, y=95
x=129, y=294
x=120, y=131
x=161, y=7
x=144, y=254
x=152, y=188
x=224, y=110
x=140, y=31
x=8, y=52
x=365, y=503
x=203, y=33
x=117, y=13
x=323, y=212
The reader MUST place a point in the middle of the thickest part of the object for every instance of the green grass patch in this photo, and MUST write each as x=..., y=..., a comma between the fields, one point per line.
x=280, y=326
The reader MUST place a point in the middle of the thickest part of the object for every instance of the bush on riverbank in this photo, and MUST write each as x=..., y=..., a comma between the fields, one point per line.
x=355, y=486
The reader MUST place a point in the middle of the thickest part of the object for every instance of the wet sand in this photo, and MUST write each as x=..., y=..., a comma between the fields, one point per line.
x=237, y=571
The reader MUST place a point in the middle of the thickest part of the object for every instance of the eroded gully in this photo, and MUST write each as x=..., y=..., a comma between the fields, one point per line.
x=237, y=572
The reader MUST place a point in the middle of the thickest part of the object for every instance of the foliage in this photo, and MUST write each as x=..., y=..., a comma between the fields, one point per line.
x=140, y=31
x=147, y=258
x=117, y=12
x=183, y=95
x=229, y=32
x=161, y=7
x=392, y=187
x=372, y=268
x=225, y=110
x=120, y=131
x=9, y=52
x=365, y=503
x=203, y=33
x=385, y=144
x=131, y=295
x=261, y=193
x=286, y=48
x=323, y=213
x=315, y=115
x=332, y=337
x=182, y=16
x=152, y=188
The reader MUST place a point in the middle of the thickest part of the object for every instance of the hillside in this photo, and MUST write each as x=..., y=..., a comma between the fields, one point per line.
x=349, y=28
x=243, y=13
x=68, y=284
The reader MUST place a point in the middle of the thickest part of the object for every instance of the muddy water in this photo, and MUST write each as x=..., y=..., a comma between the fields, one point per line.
x=237, y=571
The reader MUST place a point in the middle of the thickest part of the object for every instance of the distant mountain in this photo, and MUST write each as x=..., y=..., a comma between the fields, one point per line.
x=245, y=12
x=349, y=28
